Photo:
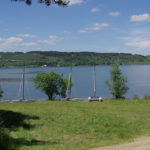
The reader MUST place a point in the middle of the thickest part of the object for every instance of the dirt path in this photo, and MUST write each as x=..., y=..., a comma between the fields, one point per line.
x=139, y=144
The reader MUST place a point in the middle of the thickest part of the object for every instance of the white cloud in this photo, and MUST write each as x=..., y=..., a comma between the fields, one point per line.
x=139, y=43
x=138, y=39
x=140, y=18
x=95, y=27
x=93, y=10
x=26, y=35
x=74, y=2
x=114, y=14
x=52, y=40
x=10, y=42
x=28, y=44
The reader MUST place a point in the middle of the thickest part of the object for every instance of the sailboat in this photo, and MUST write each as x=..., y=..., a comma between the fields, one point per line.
x=95, y=98
x=21, y=88
x=68, y=91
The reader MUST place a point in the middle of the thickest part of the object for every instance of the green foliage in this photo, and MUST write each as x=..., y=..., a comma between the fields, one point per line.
x=117, y=83
x=47, y=2
x=1, y=93
x=54, y=58
x=52, y=84
x=5, y=140
x=135, y=97
x=147, y=97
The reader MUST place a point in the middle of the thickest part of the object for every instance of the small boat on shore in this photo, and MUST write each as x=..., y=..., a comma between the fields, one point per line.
x=95, y=98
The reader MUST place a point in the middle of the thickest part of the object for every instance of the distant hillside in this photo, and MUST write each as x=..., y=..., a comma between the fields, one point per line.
x=53, y=58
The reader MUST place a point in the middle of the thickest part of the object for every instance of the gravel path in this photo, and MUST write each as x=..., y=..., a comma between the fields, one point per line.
x=139, y=144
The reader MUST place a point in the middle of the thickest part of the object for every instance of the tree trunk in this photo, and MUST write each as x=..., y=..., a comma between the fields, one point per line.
x=50, y=96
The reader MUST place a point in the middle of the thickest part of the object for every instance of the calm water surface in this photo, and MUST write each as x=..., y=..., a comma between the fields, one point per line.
x=138, y=81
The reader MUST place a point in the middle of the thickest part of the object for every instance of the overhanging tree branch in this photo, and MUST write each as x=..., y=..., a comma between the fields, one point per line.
x=46, y=2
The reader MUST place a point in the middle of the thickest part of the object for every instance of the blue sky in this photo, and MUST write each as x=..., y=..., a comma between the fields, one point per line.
x=85, y=25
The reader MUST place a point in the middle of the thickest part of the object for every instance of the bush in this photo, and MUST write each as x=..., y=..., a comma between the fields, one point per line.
x=52, y=84
x=1, y=93
x=6, y=142
x=147, y=97
x=135, y=97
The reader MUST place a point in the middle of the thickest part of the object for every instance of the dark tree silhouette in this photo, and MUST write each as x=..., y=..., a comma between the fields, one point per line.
x=46, y=2
x=11, y=121
x=1, y=92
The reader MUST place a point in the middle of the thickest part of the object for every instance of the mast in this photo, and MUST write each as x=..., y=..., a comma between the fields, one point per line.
x=94, y=82
x=23, y=81
x=70, y=81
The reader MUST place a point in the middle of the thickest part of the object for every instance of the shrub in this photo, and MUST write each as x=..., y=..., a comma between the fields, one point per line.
x=52, y=84
x=1, y=93
x=147, y=97
x=135, y=97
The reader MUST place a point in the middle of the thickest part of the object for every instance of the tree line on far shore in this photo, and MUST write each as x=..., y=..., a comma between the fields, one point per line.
x=54, y=58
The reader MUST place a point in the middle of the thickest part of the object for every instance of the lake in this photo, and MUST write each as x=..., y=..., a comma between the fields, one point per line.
x=82, y=77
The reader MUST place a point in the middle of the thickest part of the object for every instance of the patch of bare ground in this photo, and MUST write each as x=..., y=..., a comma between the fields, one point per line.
x=138, y=144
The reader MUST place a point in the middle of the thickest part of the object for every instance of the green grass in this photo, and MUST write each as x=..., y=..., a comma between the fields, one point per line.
x=56, y=125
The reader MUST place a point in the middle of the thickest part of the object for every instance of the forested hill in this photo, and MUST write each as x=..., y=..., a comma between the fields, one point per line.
x=53, y=58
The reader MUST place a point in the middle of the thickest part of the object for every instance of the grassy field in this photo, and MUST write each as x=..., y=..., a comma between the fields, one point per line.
x=57, y=125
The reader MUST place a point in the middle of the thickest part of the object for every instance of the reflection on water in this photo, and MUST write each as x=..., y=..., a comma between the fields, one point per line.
x=14, y=80
x=138, y=81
